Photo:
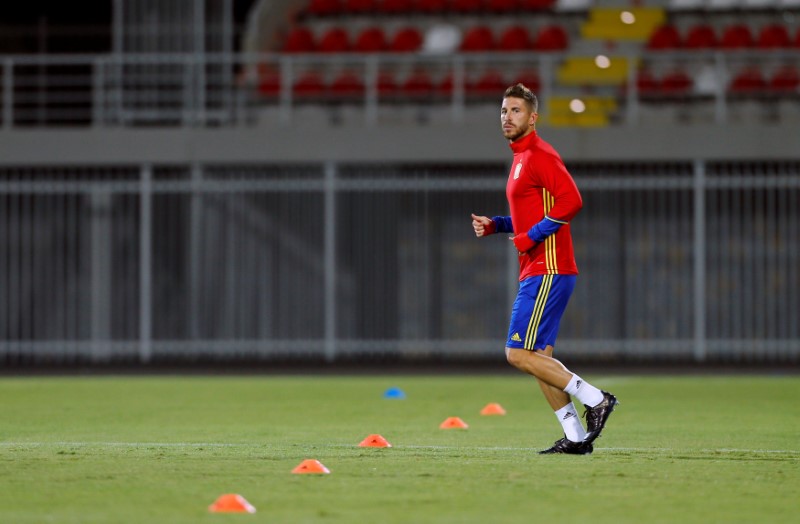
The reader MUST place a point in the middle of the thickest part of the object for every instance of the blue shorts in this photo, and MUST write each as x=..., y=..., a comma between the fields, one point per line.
x=537, y=311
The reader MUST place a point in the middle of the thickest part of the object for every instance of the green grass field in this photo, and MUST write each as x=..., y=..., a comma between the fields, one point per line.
x=161, y=449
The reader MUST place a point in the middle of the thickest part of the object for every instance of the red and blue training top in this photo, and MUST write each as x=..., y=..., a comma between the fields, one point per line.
x=543, y=198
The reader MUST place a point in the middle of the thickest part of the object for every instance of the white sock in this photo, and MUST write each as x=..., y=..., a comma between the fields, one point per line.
x=586, y=393
x=571, y=422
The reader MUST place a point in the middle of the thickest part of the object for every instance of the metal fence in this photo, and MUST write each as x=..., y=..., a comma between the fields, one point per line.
x=678, y=261
x=224, y=89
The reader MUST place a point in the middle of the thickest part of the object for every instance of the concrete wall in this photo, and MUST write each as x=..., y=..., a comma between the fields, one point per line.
x=308, y=140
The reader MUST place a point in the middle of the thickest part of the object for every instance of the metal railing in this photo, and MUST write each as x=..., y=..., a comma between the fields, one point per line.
x=697, y=261
x=224, y=89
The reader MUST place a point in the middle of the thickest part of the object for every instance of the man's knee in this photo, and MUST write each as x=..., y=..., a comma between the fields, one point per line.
x=516, y=357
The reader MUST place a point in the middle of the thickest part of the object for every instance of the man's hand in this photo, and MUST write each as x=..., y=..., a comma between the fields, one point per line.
x=523, y=243
x=482, y=225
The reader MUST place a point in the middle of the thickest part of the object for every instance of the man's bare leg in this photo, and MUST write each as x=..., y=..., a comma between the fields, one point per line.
x=557, y=398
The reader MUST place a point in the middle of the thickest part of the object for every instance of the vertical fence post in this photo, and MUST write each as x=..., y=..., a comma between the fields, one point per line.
x=195, y=252
x=145, y=266
x=632, y=94
x=699, y=260
x=329, y=258
x=720, y=104
x=459, y=96
x=8, y=93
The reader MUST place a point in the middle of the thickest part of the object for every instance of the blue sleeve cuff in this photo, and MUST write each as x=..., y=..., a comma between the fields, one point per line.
x=503, y=224
x=544, y=229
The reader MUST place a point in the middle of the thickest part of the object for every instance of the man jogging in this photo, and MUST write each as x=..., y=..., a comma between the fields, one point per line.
x=543, y=198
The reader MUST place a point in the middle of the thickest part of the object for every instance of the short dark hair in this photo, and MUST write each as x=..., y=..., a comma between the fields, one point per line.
x=520, y=91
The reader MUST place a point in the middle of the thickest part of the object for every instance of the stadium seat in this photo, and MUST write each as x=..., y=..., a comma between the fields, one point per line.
x=536, y=5
x=465, y=7
x=676, y=83
x=370, y=40
x=665, y=37
x=299, y=40
x=406, y=40
x=396, y=7
x=324, y=7
x=387, y=85
x=551, y=38
x=749, y=81
x=501, y=6
x=737, y=36
x=359, y=7
x=478, y=38
x=773, y=36
x=269, y=82
x=490, y=84
x=785, y=81
x=417, y=86
x=701, y=36
x=647, y=85
x=444, y=88
x=309, y=85
x=347, y=86
x=514, y=38
x=529, y=79
x=432, y=6
x=335, y=40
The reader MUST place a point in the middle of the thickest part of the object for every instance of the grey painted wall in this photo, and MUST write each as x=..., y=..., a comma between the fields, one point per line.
x=312, y=141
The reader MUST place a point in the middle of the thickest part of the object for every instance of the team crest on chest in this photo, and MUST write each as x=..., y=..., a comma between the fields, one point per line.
x=517, y=170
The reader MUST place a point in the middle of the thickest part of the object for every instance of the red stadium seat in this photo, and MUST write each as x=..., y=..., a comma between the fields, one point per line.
x=785, y=80
x=748, y=81
x=477, y=39
x=514, y=38
x=490, y=85
x=324, y=7
x=536, y=5
x=432, y=6
x=396, y=7
x=466, y=6
x=647, y=85
x=773, y=36
x=387, y=85
x=665, y=37
x=501, y=6
x=335, y=40
x=737, y=36
x=445, y=86
x=676, y=83
x=347, y=86
x=359, y=7
x=796, y=41
x=299, y=40
x=551, y=38
x=370, y=40
x=269, y=81
x=309, y=85
x=700, y=37
x=406, y=40
x=529, y=79
x=417, y=86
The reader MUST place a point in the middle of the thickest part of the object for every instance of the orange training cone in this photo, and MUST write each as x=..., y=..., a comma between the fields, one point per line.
x=374, y=441
x=493, y=408
x=310, y=466
x=231, y=503
x=453, y=423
